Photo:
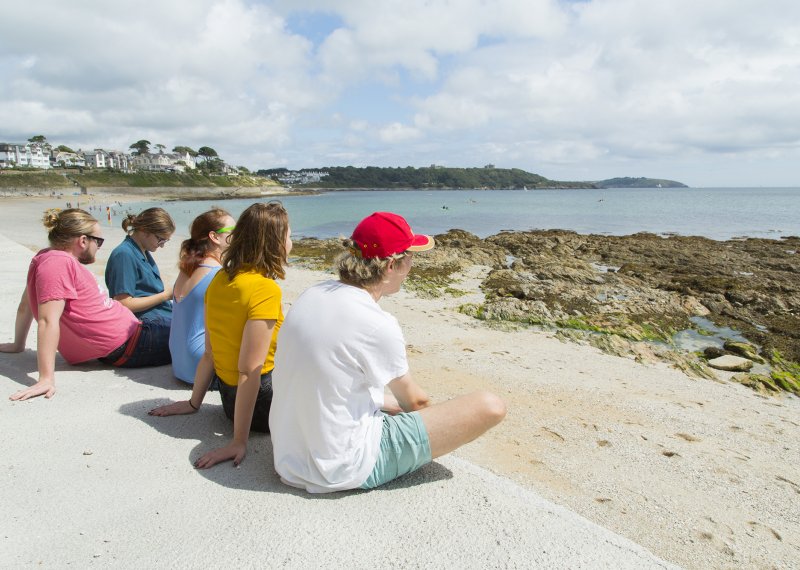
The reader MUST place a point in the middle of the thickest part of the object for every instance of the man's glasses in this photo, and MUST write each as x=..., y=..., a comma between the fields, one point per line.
x=98, y=240
x=225, y=230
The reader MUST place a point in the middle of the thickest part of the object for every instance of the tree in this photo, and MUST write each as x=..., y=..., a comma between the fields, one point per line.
x=184, y=150
x=213, y=165
x=207, y=152
x=64, y=148
x=160, y=148
x=243, y=169
x=141, y=147
x=41, y=139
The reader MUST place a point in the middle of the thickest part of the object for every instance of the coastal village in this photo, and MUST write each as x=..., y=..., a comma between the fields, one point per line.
x=42, y=155
x=38, y=154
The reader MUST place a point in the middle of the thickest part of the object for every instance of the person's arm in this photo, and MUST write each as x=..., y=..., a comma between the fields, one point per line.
x=256, y=339
x=139, y=304
x=47, y=344
x=409, y=395
x=21, y=327
x=121, y=280
x=202, y=380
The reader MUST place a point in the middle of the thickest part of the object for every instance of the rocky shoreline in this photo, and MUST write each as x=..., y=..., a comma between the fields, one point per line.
x=631, y=295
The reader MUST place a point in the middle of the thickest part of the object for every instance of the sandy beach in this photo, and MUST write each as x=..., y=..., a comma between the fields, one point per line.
x=700, y=473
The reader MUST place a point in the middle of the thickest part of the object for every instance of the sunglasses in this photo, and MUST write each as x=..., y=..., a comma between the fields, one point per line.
x=225, y=230
x=98, y=240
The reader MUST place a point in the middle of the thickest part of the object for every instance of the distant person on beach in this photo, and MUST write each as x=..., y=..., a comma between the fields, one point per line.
x=200, y=259
x=337, y=353
x=132, y=276
x=243, y=315
x=73, y=313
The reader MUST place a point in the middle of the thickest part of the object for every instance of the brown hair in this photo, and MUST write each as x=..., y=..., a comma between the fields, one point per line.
x=65, y=225
x=258, y=243
x=194, y=249
x=359, y=271
x=151, y=220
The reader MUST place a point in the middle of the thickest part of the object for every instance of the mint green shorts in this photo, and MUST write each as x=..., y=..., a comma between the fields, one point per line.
x=405, y=447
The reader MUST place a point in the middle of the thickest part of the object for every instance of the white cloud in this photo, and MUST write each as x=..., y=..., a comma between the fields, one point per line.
x=567, y=89
x=397, y=132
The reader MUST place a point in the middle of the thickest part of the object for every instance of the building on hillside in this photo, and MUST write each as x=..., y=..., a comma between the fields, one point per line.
x=100, y=158
x=120, y=160
x=97, y=158
x=33, y=155
x=63, y=159
x=163, y=162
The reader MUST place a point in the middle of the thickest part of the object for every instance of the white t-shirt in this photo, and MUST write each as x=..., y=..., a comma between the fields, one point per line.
x=336, y=352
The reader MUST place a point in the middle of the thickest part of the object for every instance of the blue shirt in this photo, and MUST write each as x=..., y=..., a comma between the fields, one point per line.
x=134, y=272
x=187, y=337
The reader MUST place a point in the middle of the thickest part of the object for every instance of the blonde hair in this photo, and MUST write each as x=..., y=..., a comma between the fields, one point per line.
x=258, y=242
x=65, y=225
x=359, y=271
x=151, y=221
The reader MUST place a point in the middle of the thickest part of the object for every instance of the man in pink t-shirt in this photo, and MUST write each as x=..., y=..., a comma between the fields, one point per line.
x=73, y=314
x=91, y=325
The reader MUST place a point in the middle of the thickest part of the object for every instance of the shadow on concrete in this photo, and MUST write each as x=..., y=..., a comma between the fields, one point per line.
x=256, y=473
x=22, y=368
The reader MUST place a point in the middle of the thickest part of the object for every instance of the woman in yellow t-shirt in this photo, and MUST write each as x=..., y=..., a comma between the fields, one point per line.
x=243, y=315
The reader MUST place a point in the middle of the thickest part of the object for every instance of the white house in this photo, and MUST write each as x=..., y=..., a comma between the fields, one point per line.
x=163, y=162
x=33, y=155
x=99, y=158
x=60, y=158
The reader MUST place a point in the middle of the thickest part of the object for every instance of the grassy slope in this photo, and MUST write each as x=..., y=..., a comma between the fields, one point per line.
x=94, y=179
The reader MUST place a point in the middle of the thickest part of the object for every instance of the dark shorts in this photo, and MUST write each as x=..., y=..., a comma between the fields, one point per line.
x=263, y=402
x=147, y=346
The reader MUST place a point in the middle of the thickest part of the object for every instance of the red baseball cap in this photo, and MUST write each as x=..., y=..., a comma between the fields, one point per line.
x=383, y=234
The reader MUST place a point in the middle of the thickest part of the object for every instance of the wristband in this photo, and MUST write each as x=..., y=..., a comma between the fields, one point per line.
x=192, y=405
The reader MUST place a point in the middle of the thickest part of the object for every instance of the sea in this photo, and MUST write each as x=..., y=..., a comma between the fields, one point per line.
x=716, y=213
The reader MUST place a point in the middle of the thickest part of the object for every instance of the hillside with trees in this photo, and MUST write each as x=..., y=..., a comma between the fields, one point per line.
x=628, y=182
x=488, y=177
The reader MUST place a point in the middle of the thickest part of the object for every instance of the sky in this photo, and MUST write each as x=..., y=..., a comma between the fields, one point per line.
x=706, y=93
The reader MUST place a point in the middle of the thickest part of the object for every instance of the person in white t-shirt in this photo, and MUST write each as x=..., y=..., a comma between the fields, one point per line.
x=337, y=352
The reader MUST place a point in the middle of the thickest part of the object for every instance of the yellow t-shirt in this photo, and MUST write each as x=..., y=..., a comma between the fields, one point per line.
x=229, y=305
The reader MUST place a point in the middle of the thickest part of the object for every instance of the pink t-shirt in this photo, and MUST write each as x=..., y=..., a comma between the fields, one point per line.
x=92, y=325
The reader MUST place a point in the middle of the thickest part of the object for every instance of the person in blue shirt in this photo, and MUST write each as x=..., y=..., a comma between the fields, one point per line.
x=200, y=259
x=132, y=276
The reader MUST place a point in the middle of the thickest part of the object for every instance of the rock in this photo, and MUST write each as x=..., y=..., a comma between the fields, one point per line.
x=758, y=382
x=785, y=381
x=711, y=352
x=731, y=363
x=745, y=350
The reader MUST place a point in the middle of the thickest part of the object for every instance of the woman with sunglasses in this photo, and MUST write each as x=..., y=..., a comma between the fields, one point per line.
x=243, y=315
x=132, y=276
x=200, y=259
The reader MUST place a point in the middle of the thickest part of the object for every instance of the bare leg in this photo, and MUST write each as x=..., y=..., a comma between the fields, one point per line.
x=458, y=421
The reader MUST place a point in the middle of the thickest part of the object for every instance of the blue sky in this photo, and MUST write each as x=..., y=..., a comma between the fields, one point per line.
x=706, y=93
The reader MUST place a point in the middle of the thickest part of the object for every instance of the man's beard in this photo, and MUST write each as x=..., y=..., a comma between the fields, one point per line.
x=86, y=257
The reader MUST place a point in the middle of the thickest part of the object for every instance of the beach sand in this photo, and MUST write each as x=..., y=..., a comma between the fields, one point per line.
x=703, y=474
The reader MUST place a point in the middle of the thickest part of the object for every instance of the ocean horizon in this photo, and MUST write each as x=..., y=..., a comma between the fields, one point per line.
x=715, y=213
